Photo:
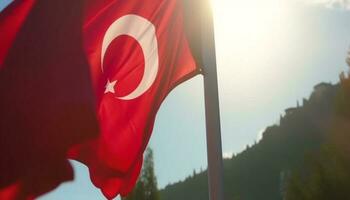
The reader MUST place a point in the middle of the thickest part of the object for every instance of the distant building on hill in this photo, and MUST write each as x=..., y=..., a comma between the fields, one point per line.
x=320, y=90
x=290, y=111
x=322, y=87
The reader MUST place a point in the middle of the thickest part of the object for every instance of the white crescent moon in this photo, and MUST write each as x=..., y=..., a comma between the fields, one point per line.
x=144, y=32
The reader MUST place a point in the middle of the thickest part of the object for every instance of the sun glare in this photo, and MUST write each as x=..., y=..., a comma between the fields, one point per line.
x=251, y=25
x=248, y=35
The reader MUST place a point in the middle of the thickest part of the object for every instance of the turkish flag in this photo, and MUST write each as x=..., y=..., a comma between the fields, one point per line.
x=138, y=53
x=47, y=101
x=65, y=63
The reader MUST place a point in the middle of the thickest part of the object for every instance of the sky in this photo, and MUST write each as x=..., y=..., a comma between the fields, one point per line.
x=270, y=54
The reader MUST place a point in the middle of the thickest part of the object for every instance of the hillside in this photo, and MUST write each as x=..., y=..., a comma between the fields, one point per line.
x=260, y=171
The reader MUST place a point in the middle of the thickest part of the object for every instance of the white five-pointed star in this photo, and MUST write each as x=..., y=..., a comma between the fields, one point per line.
x=110, y=87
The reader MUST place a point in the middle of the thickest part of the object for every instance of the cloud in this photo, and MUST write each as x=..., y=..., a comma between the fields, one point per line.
x=338, y=4
x=260, y=135
x=227, y=155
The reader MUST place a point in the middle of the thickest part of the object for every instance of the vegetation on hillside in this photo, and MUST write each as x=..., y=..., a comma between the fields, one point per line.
x=305, y=156
x=146, y=187
x=326, y=174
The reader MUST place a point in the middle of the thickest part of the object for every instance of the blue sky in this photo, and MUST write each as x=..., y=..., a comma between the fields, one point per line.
x=3, y=3
x=270, y=55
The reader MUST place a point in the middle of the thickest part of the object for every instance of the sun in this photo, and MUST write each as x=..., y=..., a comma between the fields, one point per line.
x=249, y=24
x=248, y=35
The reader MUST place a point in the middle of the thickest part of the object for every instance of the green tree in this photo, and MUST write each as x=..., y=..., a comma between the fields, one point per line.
x=324, y=177
x=138, y=193
x=148, y=177
x=146, y=187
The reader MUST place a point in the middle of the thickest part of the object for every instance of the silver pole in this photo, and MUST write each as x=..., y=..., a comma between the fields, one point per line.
x=212, y=112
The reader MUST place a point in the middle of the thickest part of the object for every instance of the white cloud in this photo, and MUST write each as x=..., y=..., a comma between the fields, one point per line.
x=260, y=135
x=340, y=4
x=227, y=155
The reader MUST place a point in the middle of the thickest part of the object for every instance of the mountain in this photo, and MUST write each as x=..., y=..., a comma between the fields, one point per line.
x=262, y=171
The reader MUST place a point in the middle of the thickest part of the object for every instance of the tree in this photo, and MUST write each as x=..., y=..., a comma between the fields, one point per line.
x=148, y=177
x=323, y=177
x=146, y=187
x=138, y=193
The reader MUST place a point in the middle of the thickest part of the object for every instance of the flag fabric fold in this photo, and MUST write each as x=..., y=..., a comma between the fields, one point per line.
x=10, y=22
x=47, y=103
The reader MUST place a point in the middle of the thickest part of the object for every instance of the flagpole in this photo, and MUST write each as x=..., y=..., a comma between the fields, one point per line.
x=212, y=111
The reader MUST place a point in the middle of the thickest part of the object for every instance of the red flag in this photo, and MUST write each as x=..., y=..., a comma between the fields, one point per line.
x=138, y=53
x=10, y=22
x=47, y=102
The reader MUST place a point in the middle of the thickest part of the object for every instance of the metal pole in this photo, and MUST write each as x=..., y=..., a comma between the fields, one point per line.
x=212, y=112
